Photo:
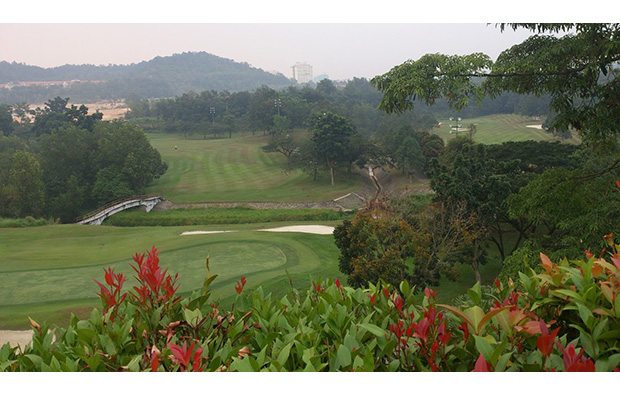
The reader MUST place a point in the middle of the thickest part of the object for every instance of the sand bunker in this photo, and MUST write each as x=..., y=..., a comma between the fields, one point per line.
x=205, y=232
x=534, y=126
x=315, y=229
x=15, y=338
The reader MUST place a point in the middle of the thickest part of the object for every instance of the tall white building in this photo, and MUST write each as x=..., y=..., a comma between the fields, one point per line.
x=302, y=72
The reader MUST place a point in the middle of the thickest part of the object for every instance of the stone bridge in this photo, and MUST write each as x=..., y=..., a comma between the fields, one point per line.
x=96, y=217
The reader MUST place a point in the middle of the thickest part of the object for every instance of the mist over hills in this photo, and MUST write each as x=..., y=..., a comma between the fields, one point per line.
x=165, y=76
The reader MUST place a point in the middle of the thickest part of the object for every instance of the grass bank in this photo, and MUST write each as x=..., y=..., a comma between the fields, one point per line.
x=24, y=222
x=217, y=215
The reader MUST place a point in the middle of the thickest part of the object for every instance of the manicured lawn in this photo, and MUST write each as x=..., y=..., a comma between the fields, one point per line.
x=237, y=170
x=500, y=128
x=46, y=272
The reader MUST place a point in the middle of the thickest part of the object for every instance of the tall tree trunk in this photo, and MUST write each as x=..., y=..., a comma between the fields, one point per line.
x=475, y=265
x=331, y=170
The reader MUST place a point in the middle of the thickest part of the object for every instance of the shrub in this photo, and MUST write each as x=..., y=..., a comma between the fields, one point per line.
x=563, y=319
x=24, y=222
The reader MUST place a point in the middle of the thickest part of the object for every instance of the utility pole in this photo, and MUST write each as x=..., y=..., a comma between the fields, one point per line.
x=278, y=104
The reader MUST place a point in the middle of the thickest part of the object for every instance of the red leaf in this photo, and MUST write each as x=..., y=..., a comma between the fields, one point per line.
x=481, y=365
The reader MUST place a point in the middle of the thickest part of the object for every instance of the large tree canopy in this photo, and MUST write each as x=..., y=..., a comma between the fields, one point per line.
x=574, y=63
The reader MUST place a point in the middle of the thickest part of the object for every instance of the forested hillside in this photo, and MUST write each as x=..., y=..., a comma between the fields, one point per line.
x=160, y=77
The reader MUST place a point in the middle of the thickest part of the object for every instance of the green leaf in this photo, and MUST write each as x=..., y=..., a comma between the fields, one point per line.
x=108, y=344
x=404, y=288
x=502, y=362
x=614, y=360
x=241, y=365
x=260, y=358
x=615, y=334
x=36, y=360
x=566, y=292
x=5, y=365
x=369, y=362
x=375, y=330
x=134, y=364
x=586, y=315
x=600, y=328
x=284, y=354
x=208, y=281
x=344, y=356
x=617, y=306
x=483, y=346
x=475, y=293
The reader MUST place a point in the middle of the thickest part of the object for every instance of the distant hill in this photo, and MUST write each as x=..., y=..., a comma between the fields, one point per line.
x=160, y=77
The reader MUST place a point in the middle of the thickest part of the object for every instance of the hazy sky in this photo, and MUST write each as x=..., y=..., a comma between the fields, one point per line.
x=340, y=50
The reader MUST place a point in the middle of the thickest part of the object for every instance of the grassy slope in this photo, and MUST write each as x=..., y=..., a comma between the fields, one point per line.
x=217, y=215
x=47, y=271
x=237, y=170
x=500, y=128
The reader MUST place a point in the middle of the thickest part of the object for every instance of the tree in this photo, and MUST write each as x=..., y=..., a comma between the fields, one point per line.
x=57, y=104
x=67, y=153
x=24, y=188
x=111, y=184
x=326, y=87
x=56, y=115
x=126, y=147
x=409, y=156
x=261, y=108
x=6, y=120
x=283, y=144
x=22, y=111
x=305, y=157
x=332, y=134
x=577, y=69
x=570, y=208
x=405, y=241
x=280, y=124
x=485, y=176
x=483, y=183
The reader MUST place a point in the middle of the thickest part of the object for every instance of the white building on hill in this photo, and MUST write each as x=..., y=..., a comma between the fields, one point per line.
x=302, y=72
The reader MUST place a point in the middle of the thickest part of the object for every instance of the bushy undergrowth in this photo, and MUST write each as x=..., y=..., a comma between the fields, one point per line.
x=24, y=222
x=216, y=215
x=566, y=318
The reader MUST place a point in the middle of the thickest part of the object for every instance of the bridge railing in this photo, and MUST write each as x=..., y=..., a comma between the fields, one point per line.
x=112, y=204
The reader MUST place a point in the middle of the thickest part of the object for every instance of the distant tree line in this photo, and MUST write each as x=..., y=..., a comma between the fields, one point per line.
x=67, y=162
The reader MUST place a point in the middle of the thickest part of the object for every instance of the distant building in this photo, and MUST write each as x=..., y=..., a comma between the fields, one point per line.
x=302, y=72
x=45, y=83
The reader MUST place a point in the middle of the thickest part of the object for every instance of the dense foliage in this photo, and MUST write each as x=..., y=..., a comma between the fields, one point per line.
x=563, y=319
x=67, y=162
x=409, y=240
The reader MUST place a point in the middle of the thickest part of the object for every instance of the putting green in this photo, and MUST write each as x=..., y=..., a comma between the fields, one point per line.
x=228, y=261
x=51, y=268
